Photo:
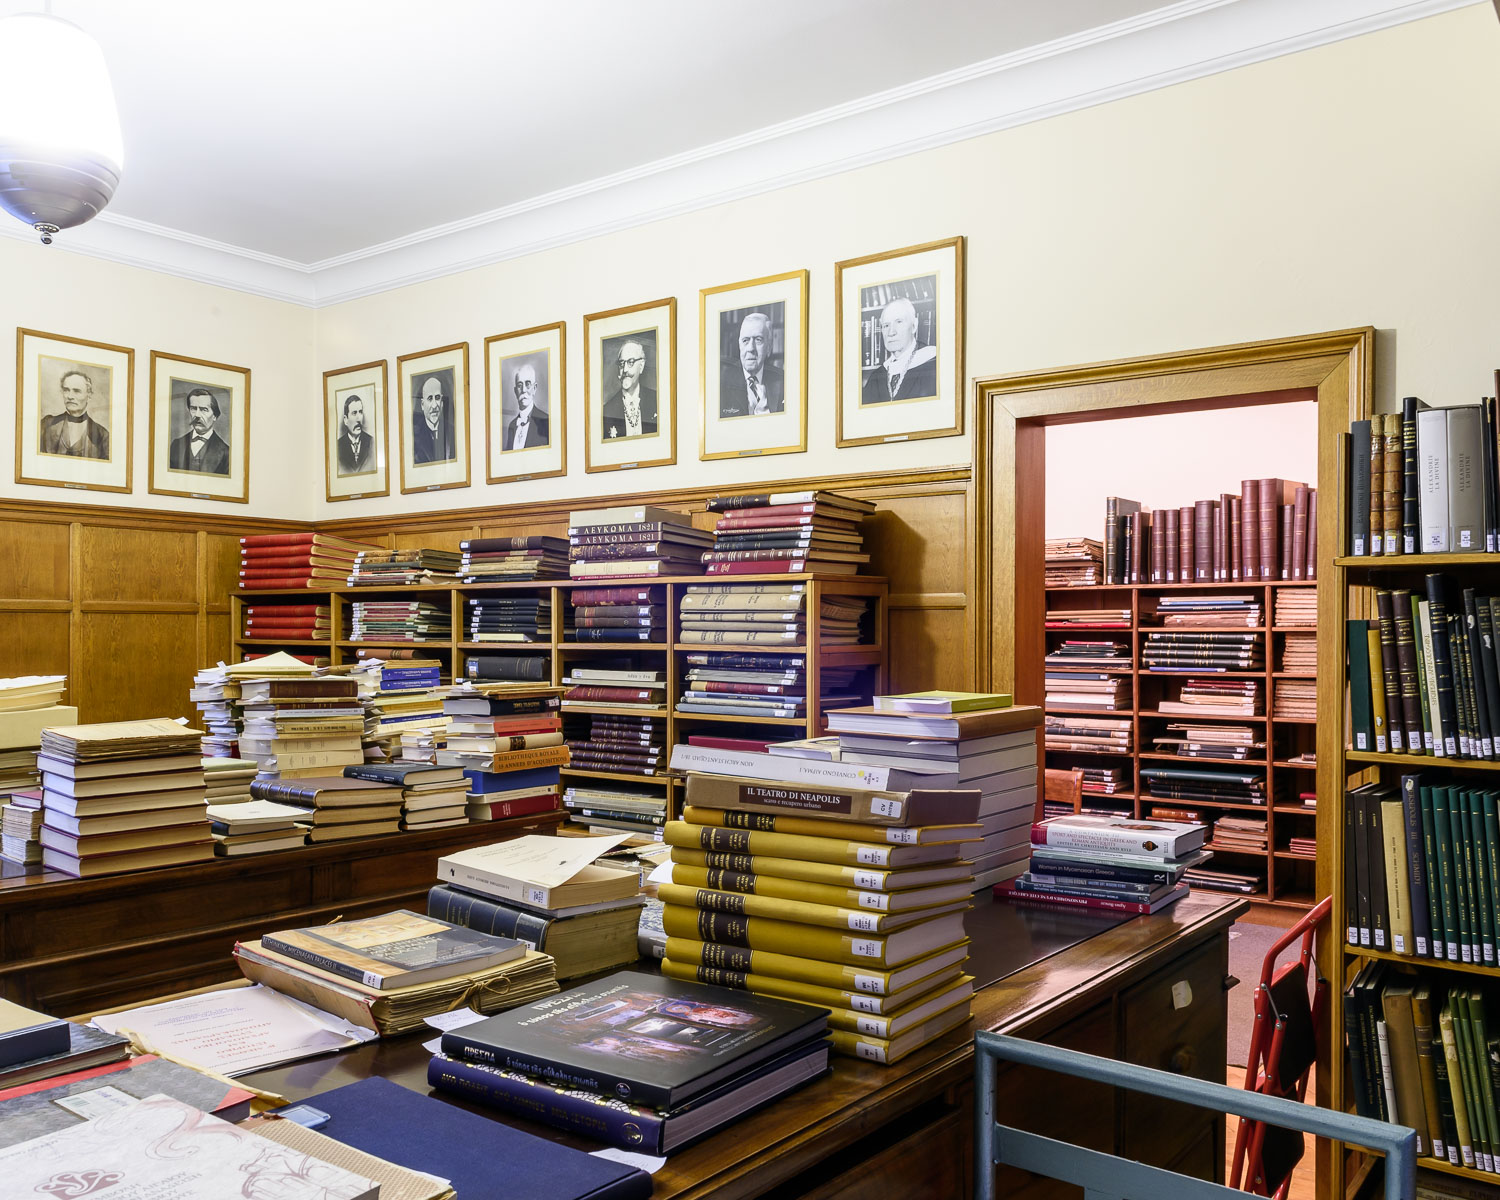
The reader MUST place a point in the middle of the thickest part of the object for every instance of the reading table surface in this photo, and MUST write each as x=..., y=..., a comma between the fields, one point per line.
x=1152, y=990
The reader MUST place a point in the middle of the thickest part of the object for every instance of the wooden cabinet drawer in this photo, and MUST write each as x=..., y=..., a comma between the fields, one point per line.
x=1174, y=1021
x=931, y=1164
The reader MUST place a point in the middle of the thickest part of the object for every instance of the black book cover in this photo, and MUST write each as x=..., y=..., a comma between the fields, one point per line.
x=403, y=774
x=1406, y=662
x=644, y=1038
x=530, y=542
x=523, y=668
x=1481, y=680
x=1488, y=608
x=1416, y=864
x=1442, y=662
x=1355, y=1050
x=1411, y=518
x=1357, y=799
x=1351, y=871
x=1491, y=465
x=1361, y=712
x=1390, y=671
x=1380, y=921
x=1359, y=488
x=1463, y=684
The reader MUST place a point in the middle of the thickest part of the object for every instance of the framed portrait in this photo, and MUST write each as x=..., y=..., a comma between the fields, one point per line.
x=899, y=338
x=433, y=418
x=526, y=404
x=753, y=355
x=354, y=432
x=74, y=401
x=630, y=387
x=200, y=429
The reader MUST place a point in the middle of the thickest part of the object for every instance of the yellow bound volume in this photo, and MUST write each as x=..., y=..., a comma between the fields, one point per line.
x=811, y=993
x=813, y=849
x=867, y=980
x=831, y=945
x=818, y=893
x=873, y=879
x=828, y=916
x=889, y=1050
x=891, y=835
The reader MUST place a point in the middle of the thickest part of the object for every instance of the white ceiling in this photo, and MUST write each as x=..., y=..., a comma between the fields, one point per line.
x=298, y=137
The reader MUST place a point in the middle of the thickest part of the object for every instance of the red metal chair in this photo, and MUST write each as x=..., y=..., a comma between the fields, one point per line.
x=1291, y=1003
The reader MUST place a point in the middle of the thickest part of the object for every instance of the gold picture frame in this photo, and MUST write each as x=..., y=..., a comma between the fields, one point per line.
x=356, y=465
x=79, y=449
x=542, y=353
x=754, y=388
x=915, y=390
x=192, y=397
x=434, y=458
x=609, y=443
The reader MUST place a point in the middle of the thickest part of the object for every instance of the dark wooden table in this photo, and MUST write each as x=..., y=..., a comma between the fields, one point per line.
x=866, y=1132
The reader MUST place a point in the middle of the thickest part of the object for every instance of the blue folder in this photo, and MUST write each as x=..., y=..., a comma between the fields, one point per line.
x=481, y=1157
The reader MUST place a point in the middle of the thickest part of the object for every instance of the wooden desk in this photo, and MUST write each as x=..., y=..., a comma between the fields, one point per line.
x=866, y=1132
x=79, y=945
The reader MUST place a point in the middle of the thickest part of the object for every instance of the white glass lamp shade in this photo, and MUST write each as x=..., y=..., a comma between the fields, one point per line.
x=60, y=151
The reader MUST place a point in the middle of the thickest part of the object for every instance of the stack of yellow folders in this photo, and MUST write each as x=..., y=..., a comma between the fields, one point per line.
x=845, y=897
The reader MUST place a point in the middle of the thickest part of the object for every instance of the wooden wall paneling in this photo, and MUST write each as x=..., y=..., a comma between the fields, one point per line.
x=137, y=565
x=133, y=665
x=34, y=561
x=36, y=643
x=432, y=539
x=927, y=649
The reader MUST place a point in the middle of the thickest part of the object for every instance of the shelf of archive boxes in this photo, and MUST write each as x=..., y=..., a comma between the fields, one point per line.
x=1290, y=889
x=452, y=652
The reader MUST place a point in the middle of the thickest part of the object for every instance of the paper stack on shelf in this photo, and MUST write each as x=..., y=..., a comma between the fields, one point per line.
x=227, y=780
x=404, y=568
x=400, y=621
x=1296, y=606
x=505, y=782
x=301, y=727
x=278, y=561
x=784, y=533
x=286, y=622
x=496, y=559
x=122, y=796
x=633, y=541
x=1088, y=735
x=255, y=826
x=335, y=808
x=21, y=828
x=399, y=696
x=628, y=613
x=1224, y=742
x=509, y=617
x=28, y=704
x=1072, y=562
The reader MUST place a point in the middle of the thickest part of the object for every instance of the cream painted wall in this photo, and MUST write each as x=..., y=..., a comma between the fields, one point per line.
x=1347, y=185
x=47, y=289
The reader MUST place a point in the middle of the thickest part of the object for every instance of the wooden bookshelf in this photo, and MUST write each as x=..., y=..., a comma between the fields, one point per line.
x=561, y=654
x=1289, y=878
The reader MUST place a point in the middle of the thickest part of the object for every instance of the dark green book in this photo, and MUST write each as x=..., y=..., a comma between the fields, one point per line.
x=1474, y=849
x=1463, y=865
x=1390, y=671
x=1407, y=670
x=1447, y=884
x=1416, y=864
x=1438, y=941
x=1361, y=850
x=1488, y=805
x=1361, y=714
x=1437, y=614
x=1479, y=1032
x=1380, y=913
x=1481, y=1117
x=1351, y=869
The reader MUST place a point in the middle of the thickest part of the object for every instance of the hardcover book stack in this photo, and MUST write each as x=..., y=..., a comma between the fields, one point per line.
x=616, y=614
x=255, y=826
x=641, y=1062
x=1226, y=742
x=334, y=808
x=216, y=692
x=1245, y=835
x=758, y=684
x=1099, y=690
x=1425, y=480
x=400, y=621
x=607, y=807
x=980, y=741
x=1209, y=612
x=495, y=714
x=1107, y=863
x=404, y=568
x=287, y=622
x=1087, y=618
x=496, y=559
x=295, y=728
x=766, y=615
x=272, y=561
x=1424, y=675
x=122, y=796
x=1268, y=531
x=617, y=743
x=615, y=687
x=1088, y=735
x=803, y=881
x=400, y=696
x=553, y=893
x=509, y=617
x=633, y=542
x=1194, y=786
x=785, y=533
x=227, y=780
x=1214, y=698
x=431, y=797
x=1084, y=654
x=21, y=828
x=1201, y=652
x=1072, y=562
x=389, y=973
x=1103, y=781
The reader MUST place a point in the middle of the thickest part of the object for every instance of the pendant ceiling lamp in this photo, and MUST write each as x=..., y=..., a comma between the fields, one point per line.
x=60, y=151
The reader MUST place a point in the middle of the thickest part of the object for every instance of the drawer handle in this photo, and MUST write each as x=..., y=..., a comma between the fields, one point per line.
x=1181, y=1062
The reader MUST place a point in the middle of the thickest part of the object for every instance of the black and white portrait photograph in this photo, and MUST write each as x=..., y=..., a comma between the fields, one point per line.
x=630, y=386
x=525, y=403
x=74, y=400
x=200, y=413
x=899, y=329
x=354, y=432
x=434, y=418
x=754, y=367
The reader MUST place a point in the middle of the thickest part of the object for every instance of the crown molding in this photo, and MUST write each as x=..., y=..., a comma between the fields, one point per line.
x=1187, y=40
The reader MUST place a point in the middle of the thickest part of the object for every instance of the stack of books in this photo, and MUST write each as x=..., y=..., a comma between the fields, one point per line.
x=1245, y=835
x=1299, y=653
x=255, y=826
x=604, y=807
x=769, y=681
x=1214, y=698
x=513, y=716
x=28, y=704
x=287, y=622
x=335, y=808
x=21, y=828
x=404, y=568
x=496, y=559
x=1081, y=654
x=509, y=617
x=398, y=697
x=34, y=1046
x=549, y=892
x=1210, y=612
x=1296, y=607
x=617, y=614
x=1104, y=781
x=431, y=797
x=1087, y=618
x=217, y=692
x=1108, y=863
x=1203, y=786
x=1303, y=847
x=1099, y=690
x=508, y=668
x=1295, y=700
x=856, y=904
x=667, y=1062
x=122, y=796
x=614, y=688
x=272, y=561
x=227, y=780
x=400, y=621
x=1088, y=735
x=1232, y=742
x=390, y=972
x=1202, y=652
x=617, y=743
x=786, y=533
x=981, y=741
x=1072, y=562
x=1222, y=879
x=633, y=541
x=296, y=728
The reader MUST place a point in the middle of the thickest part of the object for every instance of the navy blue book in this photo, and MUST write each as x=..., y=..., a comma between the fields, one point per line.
x=26, y=1034
x=479, y=1156
x=484, y=782
x=402, y=774
x=644, y=1038
x=487, y=915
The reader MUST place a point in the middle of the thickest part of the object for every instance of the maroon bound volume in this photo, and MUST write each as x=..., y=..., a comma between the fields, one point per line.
x=1221, y=541
x=1287, y=526
x=1185, y=545
x=1273, y=494
x=1235, y=552
x=1203, y=541
x=1158, y=561
x=1299, y=534
x=1312, y=533
x=1249, y=530
x=1171, y=541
